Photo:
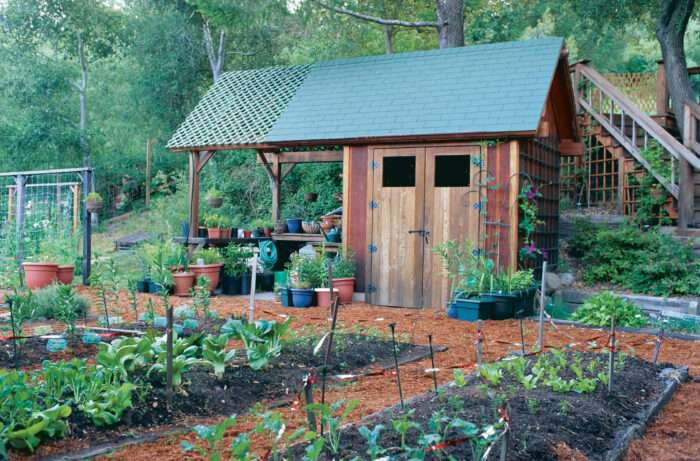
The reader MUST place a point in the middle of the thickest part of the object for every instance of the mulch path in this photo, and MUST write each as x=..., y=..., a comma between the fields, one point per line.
x=673, y=434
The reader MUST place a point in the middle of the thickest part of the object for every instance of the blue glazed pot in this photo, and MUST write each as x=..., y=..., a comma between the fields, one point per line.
x=451, y=309
x=302, y=298
x=294, y=225
x=142, y=286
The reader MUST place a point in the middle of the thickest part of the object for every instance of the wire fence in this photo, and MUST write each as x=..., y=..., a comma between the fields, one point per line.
x=41, y=219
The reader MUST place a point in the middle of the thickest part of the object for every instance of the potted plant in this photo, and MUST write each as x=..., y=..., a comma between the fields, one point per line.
x=182, y=282
x=344, y=274
x=280, y=227
x=236, y=268
x=327, y=222
x=267, y=227
x=257, y=226
x=93, y=202
x=209, y=266
x=308, y=274
x=214, y=224
x=214, y=198
x=310, y=194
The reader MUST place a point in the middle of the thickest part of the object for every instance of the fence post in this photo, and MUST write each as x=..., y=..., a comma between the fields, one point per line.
x=21, y=182
x=86, y=177
x=76, y=206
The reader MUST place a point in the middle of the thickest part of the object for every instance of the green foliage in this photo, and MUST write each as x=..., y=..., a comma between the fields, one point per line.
x=641, y=261
x=262, y=339
x=200, y=296
x=164, y=253
x=208, y=255
x=22, y=310
x=93, y=197
x=67, y=307
x=506, y=282
x=327, y=416
x=184, y=356
x=344, y=264
x=214, y=435
x=374, y=450
x=599, y=309
x=214, y=193
x=236, y=259
x=310, y=271
x=109, y=405
x=215, y=354
x=125, y=355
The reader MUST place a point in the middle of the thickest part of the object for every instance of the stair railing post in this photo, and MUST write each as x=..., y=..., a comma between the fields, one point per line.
x=661, y=90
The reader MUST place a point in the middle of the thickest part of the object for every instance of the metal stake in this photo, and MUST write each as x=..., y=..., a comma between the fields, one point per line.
x=251, y=314
x=658, y=345
x=541, y=329
x=396, y=361
x=522, y=336
x=478, y=344
x=611, y=357
x=169, y=357
x=432, y=360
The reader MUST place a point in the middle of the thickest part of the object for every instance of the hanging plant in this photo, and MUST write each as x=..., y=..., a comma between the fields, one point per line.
x=527, y=200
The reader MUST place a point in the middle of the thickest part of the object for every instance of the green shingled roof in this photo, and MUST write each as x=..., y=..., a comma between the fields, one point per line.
x=240, y=108
x=479, y=89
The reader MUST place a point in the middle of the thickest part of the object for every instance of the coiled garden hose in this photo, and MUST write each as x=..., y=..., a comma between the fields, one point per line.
x=267, y=261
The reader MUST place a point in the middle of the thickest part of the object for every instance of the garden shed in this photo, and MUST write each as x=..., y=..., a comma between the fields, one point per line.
x=435, y=145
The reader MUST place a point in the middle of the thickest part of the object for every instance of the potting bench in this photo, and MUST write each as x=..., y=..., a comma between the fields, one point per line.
x=199, y=242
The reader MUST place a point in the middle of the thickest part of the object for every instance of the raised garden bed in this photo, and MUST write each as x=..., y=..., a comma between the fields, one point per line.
x=544, y=424
x=240, y=388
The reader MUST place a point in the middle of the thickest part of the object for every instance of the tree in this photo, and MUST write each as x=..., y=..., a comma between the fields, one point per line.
x=449, y=24
x=61, y=31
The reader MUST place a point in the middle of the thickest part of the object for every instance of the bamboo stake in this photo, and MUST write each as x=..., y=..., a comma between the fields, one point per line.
x=658, y=345
x=478, y=344
x=432, y=360
x=169, y=357
x=541, y=328
x=329, y=347
x=396, y=361
x=612, y=354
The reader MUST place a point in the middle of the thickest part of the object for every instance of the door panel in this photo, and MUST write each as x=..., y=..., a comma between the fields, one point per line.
x=396, y=256
x=446, y=216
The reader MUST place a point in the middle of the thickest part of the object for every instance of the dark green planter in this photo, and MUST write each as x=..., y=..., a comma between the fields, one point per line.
x=525, y=304
x=473, y=309
x=286, y=295
x=503, y=305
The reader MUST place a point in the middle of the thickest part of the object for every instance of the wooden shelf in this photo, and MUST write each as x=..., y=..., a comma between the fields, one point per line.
x=217, y=241
x=299, y=237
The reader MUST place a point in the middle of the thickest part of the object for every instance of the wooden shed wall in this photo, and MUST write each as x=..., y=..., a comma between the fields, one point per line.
x=355, y=164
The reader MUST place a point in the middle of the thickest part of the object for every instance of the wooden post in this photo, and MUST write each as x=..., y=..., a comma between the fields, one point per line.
x=478, y=344
x=194, y=198
x=169, y=353
x=21, y=183
x=76, y=207
x=10, y=203
x=661, y=90
x=309, y=396
x=686, y=185
x=149, y=142
x=620, y=180
x=540, y=337
x=276, y=185
x=658, y=345
x=86, y=177
x=611, y=358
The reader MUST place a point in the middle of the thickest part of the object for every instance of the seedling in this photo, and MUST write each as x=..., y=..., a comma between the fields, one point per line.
x=214, y=435
x=374, y=450
x=326, y=414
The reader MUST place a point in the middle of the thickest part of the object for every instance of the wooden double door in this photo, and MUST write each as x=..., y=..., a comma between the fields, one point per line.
x=418, y=197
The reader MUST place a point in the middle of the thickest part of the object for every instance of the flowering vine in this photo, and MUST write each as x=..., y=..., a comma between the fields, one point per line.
x=527, y=201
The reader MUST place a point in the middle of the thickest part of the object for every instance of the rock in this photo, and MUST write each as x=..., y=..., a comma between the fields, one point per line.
x=566, y=278
x=551, y=282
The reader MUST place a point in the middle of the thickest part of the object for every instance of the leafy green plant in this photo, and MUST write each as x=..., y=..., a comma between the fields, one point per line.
x=599, y=309
x=327, y=416
x=93, y=197
x=125, y=355
x=66, y=311
x=208, y=255
x=310, y=271
x=22, y=309
x=214, y=435
x=214, y=353
x=48, y=423
x=403, y=423
x=200, y=296
x=374, y=450
x=108, y=406
x=492, y=372
x=184, y=356
x=235, y=259
x=214, y=193
x=132, y=286
x=527, y=201
x=262, y=339
x=344, y=264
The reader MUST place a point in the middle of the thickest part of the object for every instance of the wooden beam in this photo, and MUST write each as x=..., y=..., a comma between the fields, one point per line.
x=204, y=160
x=194, y=197
x=290, y=167
x=661, y=89
x=346, y=197
x=568, y=147
x=514, y=217
x=312, y=156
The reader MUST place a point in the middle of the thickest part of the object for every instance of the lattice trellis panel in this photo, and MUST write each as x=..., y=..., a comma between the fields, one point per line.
x=240, y=108
x=639, y=87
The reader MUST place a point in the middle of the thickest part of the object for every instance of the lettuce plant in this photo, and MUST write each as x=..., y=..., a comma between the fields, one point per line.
x=109, y=404
x=126, y=355
x=214, y=353
x=262, y=339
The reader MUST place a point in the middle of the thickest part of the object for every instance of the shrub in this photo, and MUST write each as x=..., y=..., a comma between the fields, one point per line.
x=47, y=300
x=236, y=259
x=208, y=255
x=599, y=309
x=344, y=264
x=641, y=261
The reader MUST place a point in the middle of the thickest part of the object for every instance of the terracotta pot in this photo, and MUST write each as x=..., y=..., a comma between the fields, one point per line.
x=65, y=274
x=347, y=287
x=267, y=231
x=215, y=233
x=183, y=281
x=94, y=207
x=327, y=227
x=323, y=296
x=210, y=271
x=215, y=202
x=247, y=234
x=39, y=275
x=226, y=233
x=328, y=220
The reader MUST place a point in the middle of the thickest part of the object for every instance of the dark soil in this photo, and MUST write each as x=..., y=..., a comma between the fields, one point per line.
x=33, y=351
x=585, y=422
x=204, y=395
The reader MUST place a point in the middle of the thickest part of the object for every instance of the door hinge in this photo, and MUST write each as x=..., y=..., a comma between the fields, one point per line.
x=373, y=205
x=373, y=165
x=371, y=248
x=371, y=289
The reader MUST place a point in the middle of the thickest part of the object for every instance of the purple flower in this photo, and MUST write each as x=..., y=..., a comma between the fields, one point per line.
x=530, y=249
x=544, y=254
x=531, y=193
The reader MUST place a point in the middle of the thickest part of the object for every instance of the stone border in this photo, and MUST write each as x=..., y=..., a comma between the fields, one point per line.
x=573, y=298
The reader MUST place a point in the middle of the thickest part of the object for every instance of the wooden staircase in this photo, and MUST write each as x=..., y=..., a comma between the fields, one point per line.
x=673, y=163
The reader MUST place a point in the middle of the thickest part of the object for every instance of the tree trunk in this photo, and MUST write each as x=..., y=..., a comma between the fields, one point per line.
x=388, y=30
x=216, y=59
x=671, y=25
x=450, y=32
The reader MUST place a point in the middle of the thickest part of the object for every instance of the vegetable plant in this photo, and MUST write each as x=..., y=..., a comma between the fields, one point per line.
x=214, y=353
x=344, y=264
x=374, y=450
x=208, y=255
x=326, y=414
x=132, y=286
x=65, y=309
x=125, y=355
x=184, y=355
x=107, y=406
x=599, y=309
x=214, y=435
x=93, y=197
x=262, y=339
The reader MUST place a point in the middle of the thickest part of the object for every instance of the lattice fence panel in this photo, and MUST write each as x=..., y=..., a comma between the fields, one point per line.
x=639, y=87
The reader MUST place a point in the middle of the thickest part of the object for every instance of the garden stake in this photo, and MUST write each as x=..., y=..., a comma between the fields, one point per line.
x=658, y=345
x=504, y=445
x=309, y=396
x=396, y=361
x=432, y=361
x=169, y=363
x=334, y=312
x=522, y=335
x=541, y=331
x=252, y=286
x=330, y=280
x=478, y=344
x=612, y=354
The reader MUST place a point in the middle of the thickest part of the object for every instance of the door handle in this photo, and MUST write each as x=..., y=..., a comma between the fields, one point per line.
x=423, y=232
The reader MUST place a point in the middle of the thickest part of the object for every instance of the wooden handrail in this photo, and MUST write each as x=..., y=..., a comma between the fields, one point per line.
x=662, y=136
x=693, y=70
